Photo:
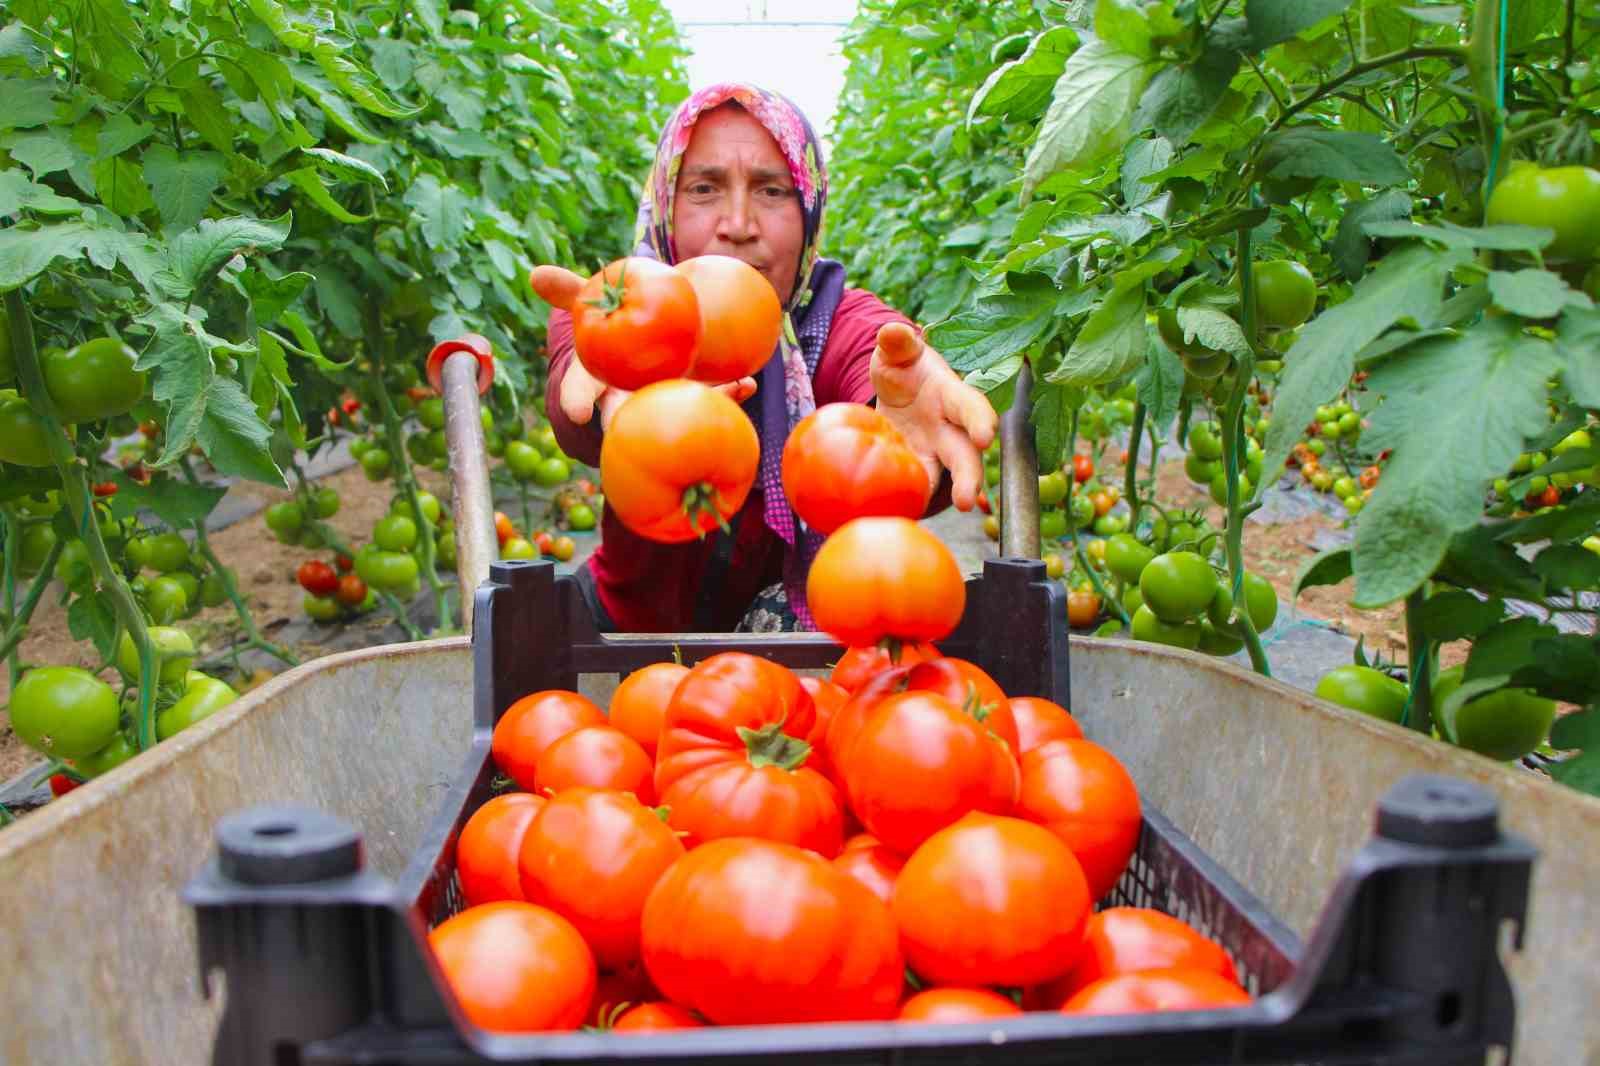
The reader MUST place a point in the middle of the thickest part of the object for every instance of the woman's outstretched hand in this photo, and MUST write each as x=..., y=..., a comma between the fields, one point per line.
x=947, y=422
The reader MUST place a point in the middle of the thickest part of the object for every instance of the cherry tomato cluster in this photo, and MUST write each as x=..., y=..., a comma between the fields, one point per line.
x=514, y=545
x=1326, y=465
x=904, y=814
x=1175, y=596
x=1540, y=492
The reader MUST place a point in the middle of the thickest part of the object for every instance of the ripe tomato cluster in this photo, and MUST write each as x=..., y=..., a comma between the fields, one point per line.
x=901, y=840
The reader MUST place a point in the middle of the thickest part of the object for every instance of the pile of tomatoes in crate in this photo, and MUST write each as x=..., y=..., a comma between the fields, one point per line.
x=735, y=844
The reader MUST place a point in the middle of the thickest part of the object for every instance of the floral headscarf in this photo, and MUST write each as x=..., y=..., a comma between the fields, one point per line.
x=784, y=394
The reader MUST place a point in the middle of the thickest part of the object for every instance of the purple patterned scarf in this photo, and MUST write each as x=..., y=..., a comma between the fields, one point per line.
x=783, y=391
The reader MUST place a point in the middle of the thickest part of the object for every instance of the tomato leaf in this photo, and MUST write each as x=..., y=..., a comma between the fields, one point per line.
x=1313, y=152
x=441, y=211
x=1568, y=566
x=1018, y=91
x=91, y=618
x=270, y=296
x=198, y=253
x=1568, y=522
x=1456, y=411
x=233, y=436
x=1351, y=246
x=1456, y=614
x=997, y=327
x=1506, y=648
x=1143, y=157
x=177, y=503
x=1408, y=282
x=1089, y=113
x=1534, y=293
x=1272, y=21
x=1180, y=98
x=1581, y=772
x=308, y=181
x=17, y=193
x=1331, y=567
x=182, y=186
x=1052, y=421
x=1476, y=559
x=1111, y=343
x=1579, y=730
x=1214, y=329
x=1496, y=238
x=1578, y=337
x=28, y=249
x=1160, y=383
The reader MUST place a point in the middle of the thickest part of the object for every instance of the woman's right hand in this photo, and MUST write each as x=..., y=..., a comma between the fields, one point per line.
x=581, y=392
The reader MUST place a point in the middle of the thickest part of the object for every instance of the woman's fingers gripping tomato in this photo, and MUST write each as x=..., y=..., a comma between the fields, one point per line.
x=885, y=578
x=592, y=856
x=873, y=865
x=657, y=1016
x=1122, y=940
x=920, y=763
x=1080, y=792
x=753, y=931
x=857, y=666
x=516, y=967
x=950, y=1005
x=487, y=850
x=639, y=705
x=1157, y=990
x=968, y=904
x=636, y=322
x=677, y=461
x=1040, y=720
x=740, y=318
x=532, y=724
x=733, y=757
x=596, y=756
x=846, y=460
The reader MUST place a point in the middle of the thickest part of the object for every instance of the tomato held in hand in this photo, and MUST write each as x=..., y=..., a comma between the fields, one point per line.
x=532, y=724
x=595, y=756
x=636, y=322
x=885, y=578
x=639, y=705
x=1121, y=940
x=516, y=967
x=1157, y=990
x=490, y=842
x=968, y=904
x=752, y=931
x=592, y=856
x=677, y=461
x=1082, y=794
x=951, y=1005
x=846, y=460
x=740, y=318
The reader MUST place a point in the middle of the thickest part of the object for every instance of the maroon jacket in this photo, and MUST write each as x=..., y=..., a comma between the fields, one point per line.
x=648, y=587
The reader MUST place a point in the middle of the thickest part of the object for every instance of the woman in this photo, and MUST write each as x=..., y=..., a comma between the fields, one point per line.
x=739, y=172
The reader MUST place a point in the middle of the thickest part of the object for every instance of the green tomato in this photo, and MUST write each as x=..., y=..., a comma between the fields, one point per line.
x=429, y=503
x=173, y=645
x=1286, y=293
x=581, y=517
x=1199, y=470
x=320, y=608
x=1317, y=447
x=1259, y=598
x=1052, y=488
x=1109, y=524
x=64, y=711
x=286, y=518
x=95, y=380
x=37, y=538
x=1053, y=523
x=1364, y=689
x=1126, y=558
x=1178, y=585
x=396, y=533
x=1147, y=627
x=1132, y=600
x=1344, y=486
x=1563, y=199
x=991, y=474
x=445, y=548
x=1592, y=544
x=523, y=460
x=203, y=697
x=1504, y=724
x=386, y=571
x=519, y=548
x=430, y=412
x=213, y=591
x=494, y=443
x=1522, y=464
x=360, y=446
x=23, y=437
x=1205, y=441
x=108, y=758
x=166, y=599
x=375, y=463
x=1354, y=504
x=1578, y=438
x=1325, y=413
x=325, y=502
x=552, y=472
x=1269, y=366
x=1330, y=430
x=1350, y=424
x=1215, y=642
x=168, y=552
x=74, y=568
x=191, y=590
x=1081, y=510
x=1219, y=488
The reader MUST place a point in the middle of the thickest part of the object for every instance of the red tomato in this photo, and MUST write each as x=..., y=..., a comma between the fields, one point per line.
x=545, y=542
x=516, y=967
x=678, y=461
x=847, y=721
x=503, y=529
x=919, y=764
x=640, y=702
x=317, y=578
x=656, y=1017
x=105, y=488
x=592, y=856
x=872, y=864
x=61, y=784
x=1082, y=468
x=486, y=851
x=1040, y=720
x=946, y=1005
x=751, y=931
x=857, y=666
x=967, y=686
x=740, y=318
x=828, y=699
x=970, y=904
x=344, y=563
x=1157, y=990
x=351, y=591
x=596, y=756
x=983, y=502
x=885, y=578
x=731, y=759
x=1122, y=940
x=532, y=724
x=846, y=460
x=1080, y=792
x=636, y=322
x=616, y=990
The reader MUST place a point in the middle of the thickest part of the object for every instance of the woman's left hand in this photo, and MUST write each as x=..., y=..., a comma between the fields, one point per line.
x=947, y=422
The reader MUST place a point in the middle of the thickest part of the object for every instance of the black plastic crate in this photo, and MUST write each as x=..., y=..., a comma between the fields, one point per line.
x=326, y=963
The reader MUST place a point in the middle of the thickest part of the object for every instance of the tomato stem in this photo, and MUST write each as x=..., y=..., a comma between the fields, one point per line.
x=771, y=746
x=612, y=294
x=17, y=619
x=80, y=505
x=1130, y=473
x=699, y=502
x=1419, y=665
x=1232, y=443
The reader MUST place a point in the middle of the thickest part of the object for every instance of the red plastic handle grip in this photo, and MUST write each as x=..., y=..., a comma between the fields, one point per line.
x=470, y=342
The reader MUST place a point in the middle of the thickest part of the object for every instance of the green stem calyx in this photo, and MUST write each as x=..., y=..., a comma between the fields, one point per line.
x=771, y=746
x=700, y=503
x=612, y=294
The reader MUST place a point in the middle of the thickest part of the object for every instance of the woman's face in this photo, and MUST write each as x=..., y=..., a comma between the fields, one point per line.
x=735, y=197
